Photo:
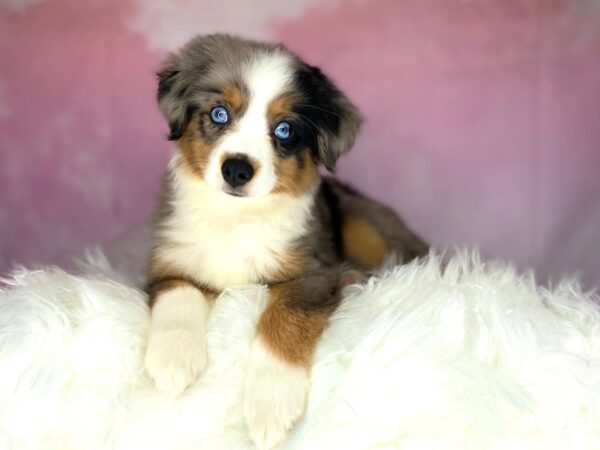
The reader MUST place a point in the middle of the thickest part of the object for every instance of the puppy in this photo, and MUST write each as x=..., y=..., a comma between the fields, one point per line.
x=243, y=202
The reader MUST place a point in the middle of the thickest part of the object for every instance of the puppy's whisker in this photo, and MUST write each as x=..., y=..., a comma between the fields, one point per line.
x=309, y=120
x=306, y=105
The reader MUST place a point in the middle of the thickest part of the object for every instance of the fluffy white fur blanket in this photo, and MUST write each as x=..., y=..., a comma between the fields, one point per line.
x=472, y=356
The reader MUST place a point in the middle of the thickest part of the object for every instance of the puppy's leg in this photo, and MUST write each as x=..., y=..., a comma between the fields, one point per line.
x=176, y=352
x=278, y=371
x=370, y=230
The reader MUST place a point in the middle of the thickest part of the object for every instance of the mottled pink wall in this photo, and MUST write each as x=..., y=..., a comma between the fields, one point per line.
x=482, y=116
x=82, y=144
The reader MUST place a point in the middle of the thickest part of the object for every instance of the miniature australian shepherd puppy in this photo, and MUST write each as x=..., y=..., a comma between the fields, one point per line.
x=243, y=202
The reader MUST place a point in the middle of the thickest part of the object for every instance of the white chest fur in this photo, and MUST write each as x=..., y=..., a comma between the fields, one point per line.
x=225, y=241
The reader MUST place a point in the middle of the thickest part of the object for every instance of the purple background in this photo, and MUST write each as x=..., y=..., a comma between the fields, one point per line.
x=482, y=116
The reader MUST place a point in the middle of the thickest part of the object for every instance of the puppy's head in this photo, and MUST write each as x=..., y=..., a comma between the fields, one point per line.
x=252, y=119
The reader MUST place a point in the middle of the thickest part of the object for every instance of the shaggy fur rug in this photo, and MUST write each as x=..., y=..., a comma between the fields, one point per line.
x=464, y=355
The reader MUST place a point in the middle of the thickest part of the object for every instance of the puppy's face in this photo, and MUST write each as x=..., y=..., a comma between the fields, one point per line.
x=252, y=119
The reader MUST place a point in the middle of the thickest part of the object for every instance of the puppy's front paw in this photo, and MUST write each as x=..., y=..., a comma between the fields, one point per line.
x=175, y=358
x=275, y=397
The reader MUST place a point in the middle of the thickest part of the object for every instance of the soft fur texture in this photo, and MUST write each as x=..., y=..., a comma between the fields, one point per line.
x=472, y=356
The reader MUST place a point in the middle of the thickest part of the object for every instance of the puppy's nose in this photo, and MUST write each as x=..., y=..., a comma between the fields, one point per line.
x=237, y=172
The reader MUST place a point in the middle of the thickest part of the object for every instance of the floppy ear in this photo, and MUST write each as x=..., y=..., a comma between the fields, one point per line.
x=335, y=118
x=178, y=76
x=182, y=74
x=171, y=96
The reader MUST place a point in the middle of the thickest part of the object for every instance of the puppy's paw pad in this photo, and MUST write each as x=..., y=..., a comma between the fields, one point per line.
x=175, y=358
x=274, y=400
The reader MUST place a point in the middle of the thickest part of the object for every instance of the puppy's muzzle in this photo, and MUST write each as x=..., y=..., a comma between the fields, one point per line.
x=237, y=172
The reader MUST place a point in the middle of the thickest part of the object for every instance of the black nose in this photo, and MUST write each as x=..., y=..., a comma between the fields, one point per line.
x=237, y=172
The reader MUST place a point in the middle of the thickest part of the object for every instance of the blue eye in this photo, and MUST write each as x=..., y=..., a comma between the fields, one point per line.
x=282, y=131
x=219, y=115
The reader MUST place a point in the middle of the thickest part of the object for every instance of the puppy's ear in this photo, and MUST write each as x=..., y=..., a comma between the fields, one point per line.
x=183, y=74
x=335, y=119
x=172, y=96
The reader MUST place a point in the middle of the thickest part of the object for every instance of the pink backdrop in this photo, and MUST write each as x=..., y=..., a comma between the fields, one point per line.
x=483, y=116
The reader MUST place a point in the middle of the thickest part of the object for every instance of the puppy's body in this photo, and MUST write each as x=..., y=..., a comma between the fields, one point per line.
x=217, y=242
x=243, y=202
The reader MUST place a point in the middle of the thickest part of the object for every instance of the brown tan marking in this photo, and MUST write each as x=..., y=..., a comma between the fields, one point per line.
x=162, y=277
x=297, y=314
x=363, y=244
x=295, y=173
x=234, y=97
x=291, y=265
x=279, y=107
x=158, y=286
x=194, y=149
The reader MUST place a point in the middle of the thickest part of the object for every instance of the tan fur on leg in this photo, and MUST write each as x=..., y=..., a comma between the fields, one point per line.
x=278, y=371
